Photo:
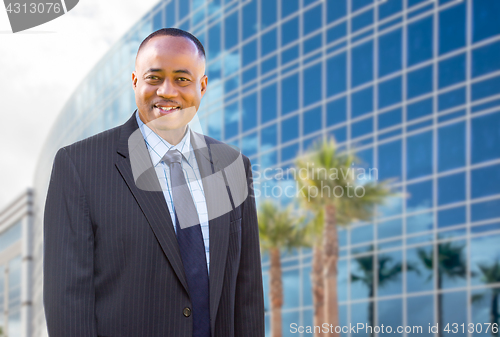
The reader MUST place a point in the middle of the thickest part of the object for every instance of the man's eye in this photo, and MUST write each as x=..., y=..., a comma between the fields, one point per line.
x=183, y=79
x=152, y=77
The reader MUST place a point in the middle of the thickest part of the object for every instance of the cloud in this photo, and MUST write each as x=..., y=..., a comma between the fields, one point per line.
x=41, y=68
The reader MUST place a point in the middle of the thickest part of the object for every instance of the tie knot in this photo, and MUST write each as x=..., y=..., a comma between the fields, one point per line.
x=172, y=156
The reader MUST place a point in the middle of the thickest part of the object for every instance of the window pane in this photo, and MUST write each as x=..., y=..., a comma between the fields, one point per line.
x=419, y=223
x=289, y=7
x=290, y=94
x=362, y=63
x=419, y=109
x=419, y=82
x=362, y=128
x=336, y=9
x=486, y=137
x=249, y=13
x=214, y=124
x=419, y=158
x=249, y=112
x=485, y=181
x=452, y=265
x=231, y=120
x=452, y=28
x=389, y=92
x=336, y=80
x=420, y=312
x=214, y=44
x=336, y=111
x=362, y=312
x=390, y=313
x=268, y=12
x=389, y=118
x=249, y=144
x=485, y=19
x=336, y=32
x=451, y=217
x=389, y=159
x=362, y=20
x=312, y=19
x=290, y=129
x=451, y=146
x=361, y=102
x=268, y=138
x=290, y=31
x=451, y=71
x=484, y=252
x=362, y=277
x=231, y=30
x=451, y=99
x=485, y=59
x=419, y=266
x=420, y=41
x=389, y=8
x=420, y=196
x=451, y=188
x=389, y=53
x=291, y=283
x=389, y=228
x=312, y=84
x=249, y=53
x=312, y=121
x=268, y=42
x=268, y=104
x=454, y=306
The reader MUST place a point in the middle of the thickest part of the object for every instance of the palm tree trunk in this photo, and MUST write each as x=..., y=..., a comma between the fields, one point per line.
x=439, y=305
x=330, y=259
x=494, y=311
x=276, y=291
x=318, y=288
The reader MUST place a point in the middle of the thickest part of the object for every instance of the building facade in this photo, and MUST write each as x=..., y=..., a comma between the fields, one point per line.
x=16, y=223
x=412, y=85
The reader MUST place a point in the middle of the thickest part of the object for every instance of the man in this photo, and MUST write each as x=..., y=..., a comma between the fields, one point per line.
x=122, y=255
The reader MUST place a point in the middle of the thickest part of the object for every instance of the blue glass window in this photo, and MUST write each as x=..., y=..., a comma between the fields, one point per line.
x=249, y=144
x=289, y=152
x=419, y=278
x=420, y=41
x=214, y=41
x=485, y=181
x=249, y=53
x=421, y=222
x=361, y=128
x=340, y=134
x=361, y=102
x=170, y=14
x=289, y=129
x=362, y=20
x=312, y=84
x=451, y=146
x=452, y=28
x=362, y=63
x=419, y=109
x=485, y=19
x=389, y=159
x=485, y=210
x=336, y=9
x=230, y=30
x=452, y=71
x=290, y=31
x=336, y=77
x=451, y=188
x=312, y=19
x=485, y=88
x=268, y=13
x=269, y=65
x=389, y=52
x=389, y=8
x=249, y=13
x=158, y=20
x=268, y=103
x=419, y=82
x=451, y=216
x=336, y=32
x=289, y=54
x=232, y=83
x=485, y=59
x=289, y=7
x=289, y=94
x=214, y=123
x=268, y=137
x=311, y=121
x=451, y=99
x=313, y=43
x=389, y=118
x=389, y=92
x=486, y=137
x=389, y=312
x=268, y=42
x=231, y=120
x=358, y=4
x=249, y=112
x=420, y=196
x=419, y=155
x=336, y=111
x=250, y=74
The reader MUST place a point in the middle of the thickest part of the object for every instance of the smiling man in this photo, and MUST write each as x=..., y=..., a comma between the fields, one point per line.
x=125, y=260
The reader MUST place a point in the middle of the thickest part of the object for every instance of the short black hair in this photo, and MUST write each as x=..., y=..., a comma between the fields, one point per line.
x=173, y=32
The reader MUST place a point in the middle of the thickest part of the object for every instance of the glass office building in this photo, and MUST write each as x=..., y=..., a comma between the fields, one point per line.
x=412, y=85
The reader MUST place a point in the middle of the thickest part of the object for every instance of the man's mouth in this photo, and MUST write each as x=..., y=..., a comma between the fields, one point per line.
x=167, y=109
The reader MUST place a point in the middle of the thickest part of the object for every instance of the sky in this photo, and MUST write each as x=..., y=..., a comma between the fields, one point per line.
x=39, y=70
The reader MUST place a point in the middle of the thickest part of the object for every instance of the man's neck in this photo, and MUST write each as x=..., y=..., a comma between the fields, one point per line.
x=173, y=137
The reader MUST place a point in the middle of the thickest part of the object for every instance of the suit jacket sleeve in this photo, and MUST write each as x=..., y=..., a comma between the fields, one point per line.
x=68, y=254
x=249, y=300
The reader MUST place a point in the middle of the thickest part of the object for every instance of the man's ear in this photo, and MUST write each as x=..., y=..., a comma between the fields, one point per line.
x=134, y=80
x=204, y=83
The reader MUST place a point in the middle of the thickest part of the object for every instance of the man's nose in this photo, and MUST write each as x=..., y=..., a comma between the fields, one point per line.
x=167, y=89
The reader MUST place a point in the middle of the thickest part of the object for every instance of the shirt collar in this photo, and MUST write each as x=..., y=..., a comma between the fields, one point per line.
x=158, y=146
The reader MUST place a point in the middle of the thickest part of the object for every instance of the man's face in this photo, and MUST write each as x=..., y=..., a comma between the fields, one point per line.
x=169, y=81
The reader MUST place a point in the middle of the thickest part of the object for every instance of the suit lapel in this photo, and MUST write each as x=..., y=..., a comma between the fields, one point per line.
x=149, y=196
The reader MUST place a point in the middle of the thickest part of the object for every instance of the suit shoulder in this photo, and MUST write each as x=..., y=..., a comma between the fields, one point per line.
x=99, y=142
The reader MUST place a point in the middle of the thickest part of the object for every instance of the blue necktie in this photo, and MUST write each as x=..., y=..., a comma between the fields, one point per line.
x=191, y=246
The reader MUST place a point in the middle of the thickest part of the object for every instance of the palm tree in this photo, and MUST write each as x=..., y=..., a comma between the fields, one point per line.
x=450, y=264
x=491, y=274
x=1, y=332
x=384, y=273
x=330, y=170
x=278, y=230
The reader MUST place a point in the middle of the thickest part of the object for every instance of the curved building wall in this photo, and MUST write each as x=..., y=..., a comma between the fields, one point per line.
x=413, y=85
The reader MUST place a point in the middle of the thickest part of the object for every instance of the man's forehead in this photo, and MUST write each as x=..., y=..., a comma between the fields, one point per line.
x=169, y=46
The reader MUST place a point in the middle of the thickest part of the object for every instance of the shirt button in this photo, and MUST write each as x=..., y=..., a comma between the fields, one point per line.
x=186, y=312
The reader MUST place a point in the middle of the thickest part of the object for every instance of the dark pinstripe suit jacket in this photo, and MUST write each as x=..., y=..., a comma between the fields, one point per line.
x=112, y=265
